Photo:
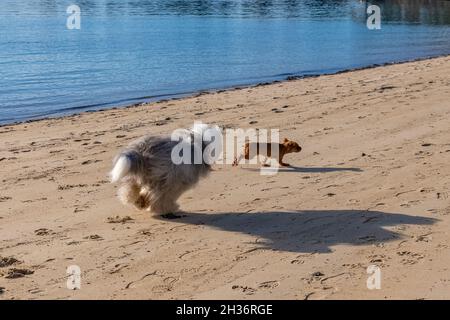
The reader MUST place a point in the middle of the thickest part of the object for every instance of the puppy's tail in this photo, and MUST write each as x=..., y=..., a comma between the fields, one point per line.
x=124, y=164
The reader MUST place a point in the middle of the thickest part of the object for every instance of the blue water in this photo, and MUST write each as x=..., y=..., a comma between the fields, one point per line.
x=134, y=51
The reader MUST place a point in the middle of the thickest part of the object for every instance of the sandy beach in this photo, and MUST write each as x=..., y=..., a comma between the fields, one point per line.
x=370, y=187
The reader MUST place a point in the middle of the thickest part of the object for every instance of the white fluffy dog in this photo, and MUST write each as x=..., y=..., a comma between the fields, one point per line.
x=150, y=178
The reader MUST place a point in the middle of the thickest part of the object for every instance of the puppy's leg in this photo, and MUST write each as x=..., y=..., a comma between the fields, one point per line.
x=237, y=160
x=264, y=162
x=245, y=154
x=283, y=164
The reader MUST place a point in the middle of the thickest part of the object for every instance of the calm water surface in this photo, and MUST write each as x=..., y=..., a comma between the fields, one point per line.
x=134, y=51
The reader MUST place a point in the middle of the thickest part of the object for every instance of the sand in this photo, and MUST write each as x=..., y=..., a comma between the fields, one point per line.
x=369, y=188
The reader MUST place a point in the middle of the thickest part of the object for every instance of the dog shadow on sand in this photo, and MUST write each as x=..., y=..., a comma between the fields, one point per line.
x=310, y=230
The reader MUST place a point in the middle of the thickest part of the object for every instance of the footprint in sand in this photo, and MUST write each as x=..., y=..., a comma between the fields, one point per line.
x=244, y=289
x=118, y=219
x=71, y=186
x=268, y=285
x=90, y=161
x=146, y=232
x=71, y=243
x=423, y=238
x=35, y=291
x=34, y=200
x=367, y=239
x=118, y=267
x=378, y=259
x=8, y=261
x=442, y=195
x=166, y=287
x=276, y=110
x=93, y=237
x=80, y=208
x=15, y=273
x=410, y=257
x=43, y=232
x=160, y=123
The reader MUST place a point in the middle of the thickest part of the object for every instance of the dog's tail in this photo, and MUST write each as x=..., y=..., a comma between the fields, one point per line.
x=124, y=164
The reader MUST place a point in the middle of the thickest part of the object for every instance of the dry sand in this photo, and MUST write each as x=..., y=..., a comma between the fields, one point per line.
x=370, y=187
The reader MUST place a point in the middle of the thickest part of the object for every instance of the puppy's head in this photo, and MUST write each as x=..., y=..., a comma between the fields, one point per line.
x=291, y=146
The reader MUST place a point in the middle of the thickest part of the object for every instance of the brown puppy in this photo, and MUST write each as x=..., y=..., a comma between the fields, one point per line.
x=265, y=149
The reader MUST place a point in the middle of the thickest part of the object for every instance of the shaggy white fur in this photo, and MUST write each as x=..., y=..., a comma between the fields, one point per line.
x=150, y=179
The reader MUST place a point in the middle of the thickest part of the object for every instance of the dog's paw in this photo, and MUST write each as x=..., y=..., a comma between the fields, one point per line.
x=171, y=216
x=141, y=203
x=285, y=165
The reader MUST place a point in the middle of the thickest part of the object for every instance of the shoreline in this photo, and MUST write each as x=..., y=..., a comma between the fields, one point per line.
x=179, y=96
x=370, y=187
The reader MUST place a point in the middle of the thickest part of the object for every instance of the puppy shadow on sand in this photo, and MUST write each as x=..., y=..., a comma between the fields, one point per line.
x=311, y=230
x=309, y=169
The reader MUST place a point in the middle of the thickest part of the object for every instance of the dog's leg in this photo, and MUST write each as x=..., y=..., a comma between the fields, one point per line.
x=129, y=193
x=169, y=210
x=166, y=205
x=133, y=193
x=143, y=201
